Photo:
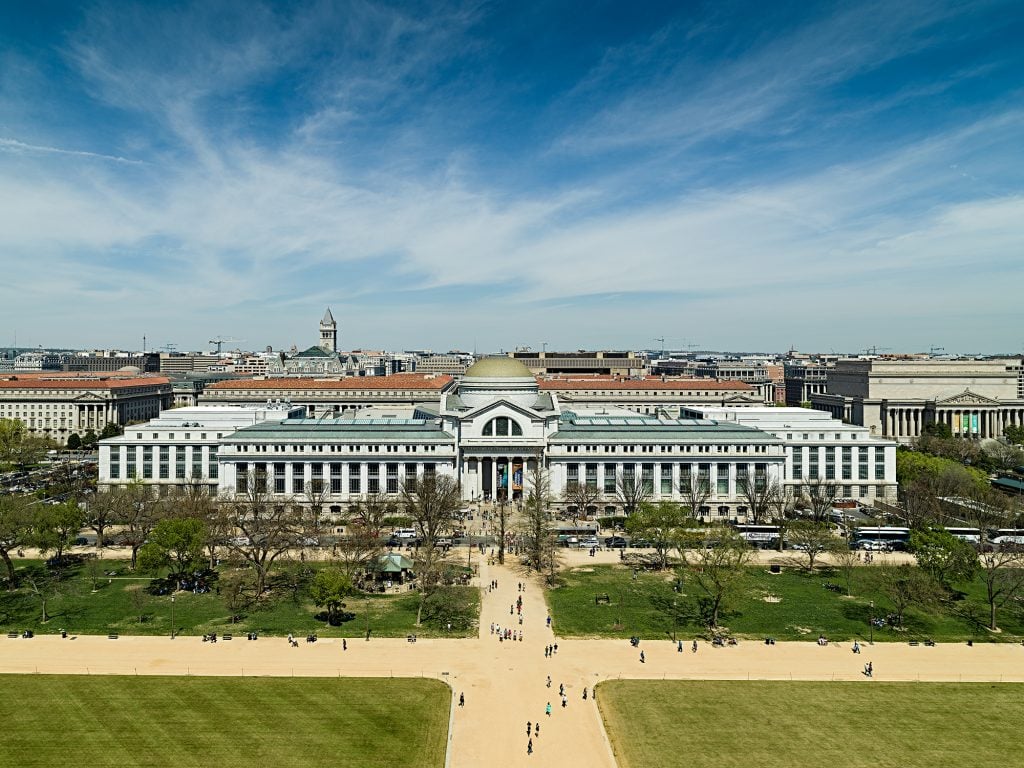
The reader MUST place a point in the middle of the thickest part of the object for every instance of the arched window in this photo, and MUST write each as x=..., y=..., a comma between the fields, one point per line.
x=502, y=426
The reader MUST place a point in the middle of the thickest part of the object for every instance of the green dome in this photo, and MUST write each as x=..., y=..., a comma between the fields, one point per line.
x=498, y=368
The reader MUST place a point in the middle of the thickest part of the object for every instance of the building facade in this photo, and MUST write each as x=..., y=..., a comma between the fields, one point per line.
x=898, y=398
x=59, y=405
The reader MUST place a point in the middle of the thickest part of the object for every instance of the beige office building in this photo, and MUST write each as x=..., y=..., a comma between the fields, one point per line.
x=898, y=398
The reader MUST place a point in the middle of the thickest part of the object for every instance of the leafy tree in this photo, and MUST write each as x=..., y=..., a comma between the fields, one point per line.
x=1003, y=575
x=938, y=429
x=847, y=561
x=450, y=605
x=137, y=512
x=175, y=543
x=943, y=556
x=330, y=588
x=715, y=561
x=101, y=512
x=236, y=589
x=661, y=524
x=44, y=585
x=1014, y=433
x=12, y=434
x=781, y=507
x=110, y=429
x=267, y=529
x=812, y=540
x=57, y=527
x=905, y=586
x=431, y=501
x=17, y=525
x=74, y=442
x=89, y=438
x=1004, y=456
x=140, y=601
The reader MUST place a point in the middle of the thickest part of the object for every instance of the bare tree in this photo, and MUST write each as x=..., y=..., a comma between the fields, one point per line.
x=431, y=501
x=364, y=531
x=695, y=492
x=847, y=561
x=780, y=504
x=267, y=530
x=1003, y=575
x=101, y=512
x=314, y=495
x=812, y=540
x=1005, y=456
x=138, y=513
x=631, y=493
x=538, y=531
x=502, y=518
x=581, y=497
x=715, y=560
x=818, y=496
x=758, y=493
x=905, y=586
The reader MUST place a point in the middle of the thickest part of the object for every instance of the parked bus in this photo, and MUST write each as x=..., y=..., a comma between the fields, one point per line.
x=970, y=535
x=882, y=537
x=760, y=536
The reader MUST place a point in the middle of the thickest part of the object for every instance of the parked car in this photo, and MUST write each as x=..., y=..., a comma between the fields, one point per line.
x=616, y=542
x=589, y=541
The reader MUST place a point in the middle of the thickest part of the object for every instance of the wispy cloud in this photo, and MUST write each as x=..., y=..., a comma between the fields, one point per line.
x=13, y=145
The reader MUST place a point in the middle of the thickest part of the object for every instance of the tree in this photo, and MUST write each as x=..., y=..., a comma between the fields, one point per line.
x=1014, y=433
x=266, y=529
x=502, y=518
x=57, y=527
x=662, y=524
x=539, y=539
x=364, y=529
x=12, y=434
x=581, y=497
x=812, y=539
x=236, y=588
x=101, y=512
x=631, y=493
x=193, y=500
x=780, y=504
x=44, y=585
x=1003, y=575
x=330, y=588
x=715, y=561
x=758, y=493
x=138, y=512
x=17, y=525
x=139, y=599
x=937, y=429
x=175, y=543
x=110, y=429
x=818, y=495
x=74, y=442
x=943, y=556
x=905, y=586
x=89, y=438
x=695, y=492
x=847, y=561
x=1005, y=456
x=431, y=501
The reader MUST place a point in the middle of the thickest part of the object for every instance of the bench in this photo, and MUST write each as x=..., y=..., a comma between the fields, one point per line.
x=225, y=637
x=12, y=635
x=112, y=636
x=605, y=599
x=914, y=642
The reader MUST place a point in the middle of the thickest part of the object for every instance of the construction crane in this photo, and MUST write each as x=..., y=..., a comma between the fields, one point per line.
x=220, y=341
x=875, y=350
x=169, y=347
x=662, y=340
x=932, y=350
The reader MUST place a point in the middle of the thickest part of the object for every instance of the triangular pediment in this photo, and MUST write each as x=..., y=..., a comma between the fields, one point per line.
x=496, y=404
x=89, y=397
x=967, y=398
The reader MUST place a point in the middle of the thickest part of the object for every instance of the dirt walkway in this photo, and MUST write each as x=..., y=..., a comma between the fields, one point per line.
x=504, y=683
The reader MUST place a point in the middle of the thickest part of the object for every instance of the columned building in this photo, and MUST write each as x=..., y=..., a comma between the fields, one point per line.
x=898, y=398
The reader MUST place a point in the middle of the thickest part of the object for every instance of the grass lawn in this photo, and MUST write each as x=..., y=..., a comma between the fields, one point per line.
x=797, y=725
x=75, y=607
x=797, y=607
x=54, y=720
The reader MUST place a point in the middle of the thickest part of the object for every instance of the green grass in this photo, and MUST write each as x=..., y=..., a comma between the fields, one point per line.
x=223, y=722
x=807, y=725
x=110, y=609
x=805, y=609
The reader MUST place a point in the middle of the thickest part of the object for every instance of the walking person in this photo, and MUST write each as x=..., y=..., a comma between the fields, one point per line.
x=549, y=681
x=679, y=647
x=529, y=728
x=462, y=699
x=561, y=689
x=584, y=693
x=694, y=646
x=344, y=644
x=565, y=701
x=547, y=709
x=536, y=729
x=529, y=747
x=643, y=660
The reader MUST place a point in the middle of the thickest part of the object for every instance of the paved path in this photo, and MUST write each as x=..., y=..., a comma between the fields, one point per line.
x=504, y=682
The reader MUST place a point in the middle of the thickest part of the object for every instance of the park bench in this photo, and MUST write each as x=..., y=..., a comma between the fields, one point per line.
x=602, y=599
x=225, y=637
x=914, y=642
x=12, y=635
x=112, y=636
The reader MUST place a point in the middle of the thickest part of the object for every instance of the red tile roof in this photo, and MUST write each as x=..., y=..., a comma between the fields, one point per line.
x=652, y=383
x=397, y=381
x=65, y=381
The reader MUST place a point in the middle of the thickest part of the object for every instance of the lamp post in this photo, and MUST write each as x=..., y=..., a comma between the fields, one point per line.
x=172, y=617
x=871, y=625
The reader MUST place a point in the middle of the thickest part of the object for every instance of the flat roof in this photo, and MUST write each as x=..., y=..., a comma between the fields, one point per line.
x=431, y=381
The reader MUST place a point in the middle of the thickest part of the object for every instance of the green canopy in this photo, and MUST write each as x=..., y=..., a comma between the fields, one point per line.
x=393, y=562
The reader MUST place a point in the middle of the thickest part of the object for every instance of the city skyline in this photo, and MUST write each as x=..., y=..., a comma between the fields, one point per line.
x=486, y=177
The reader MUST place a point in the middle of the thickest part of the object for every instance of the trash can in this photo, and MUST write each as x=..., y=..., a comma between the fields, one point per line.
x=775, y=568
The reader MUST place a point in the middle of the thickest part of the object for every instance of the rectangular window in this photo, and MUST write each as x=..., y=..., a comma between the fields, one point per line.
x=814, y=472
x=241, y=478
x=798, y=464
x=147, y=462
x=373, y=478
x=722, y=482
x=592, y=476
x=392, y=478
x=212, y=466
x=685, y=473
x=830, y=463
x=760, y=476
x=115, y=463
x=179, y=462
x=879, y=464
x=665, y=479
x=572, y=475
x=862, y=464
x=355, y=485
x=279, y=478
x=165, y=470
x=197, y=461
x=428, y=470
x=647, y=477
x=609, y=478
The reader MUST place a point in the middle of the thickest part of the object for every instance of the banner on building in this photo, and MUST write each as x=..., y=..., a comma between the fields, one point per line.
x=517, y=476
x=974, y=424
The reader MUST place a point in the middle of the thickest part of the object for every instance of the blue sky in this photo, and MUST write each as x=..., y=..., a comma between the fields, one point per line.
x=490, y=175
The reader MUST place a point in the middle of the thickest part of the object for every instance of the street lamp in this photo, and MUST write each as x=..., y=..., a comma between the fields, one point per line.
x=172, y=617
x=871, y=625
